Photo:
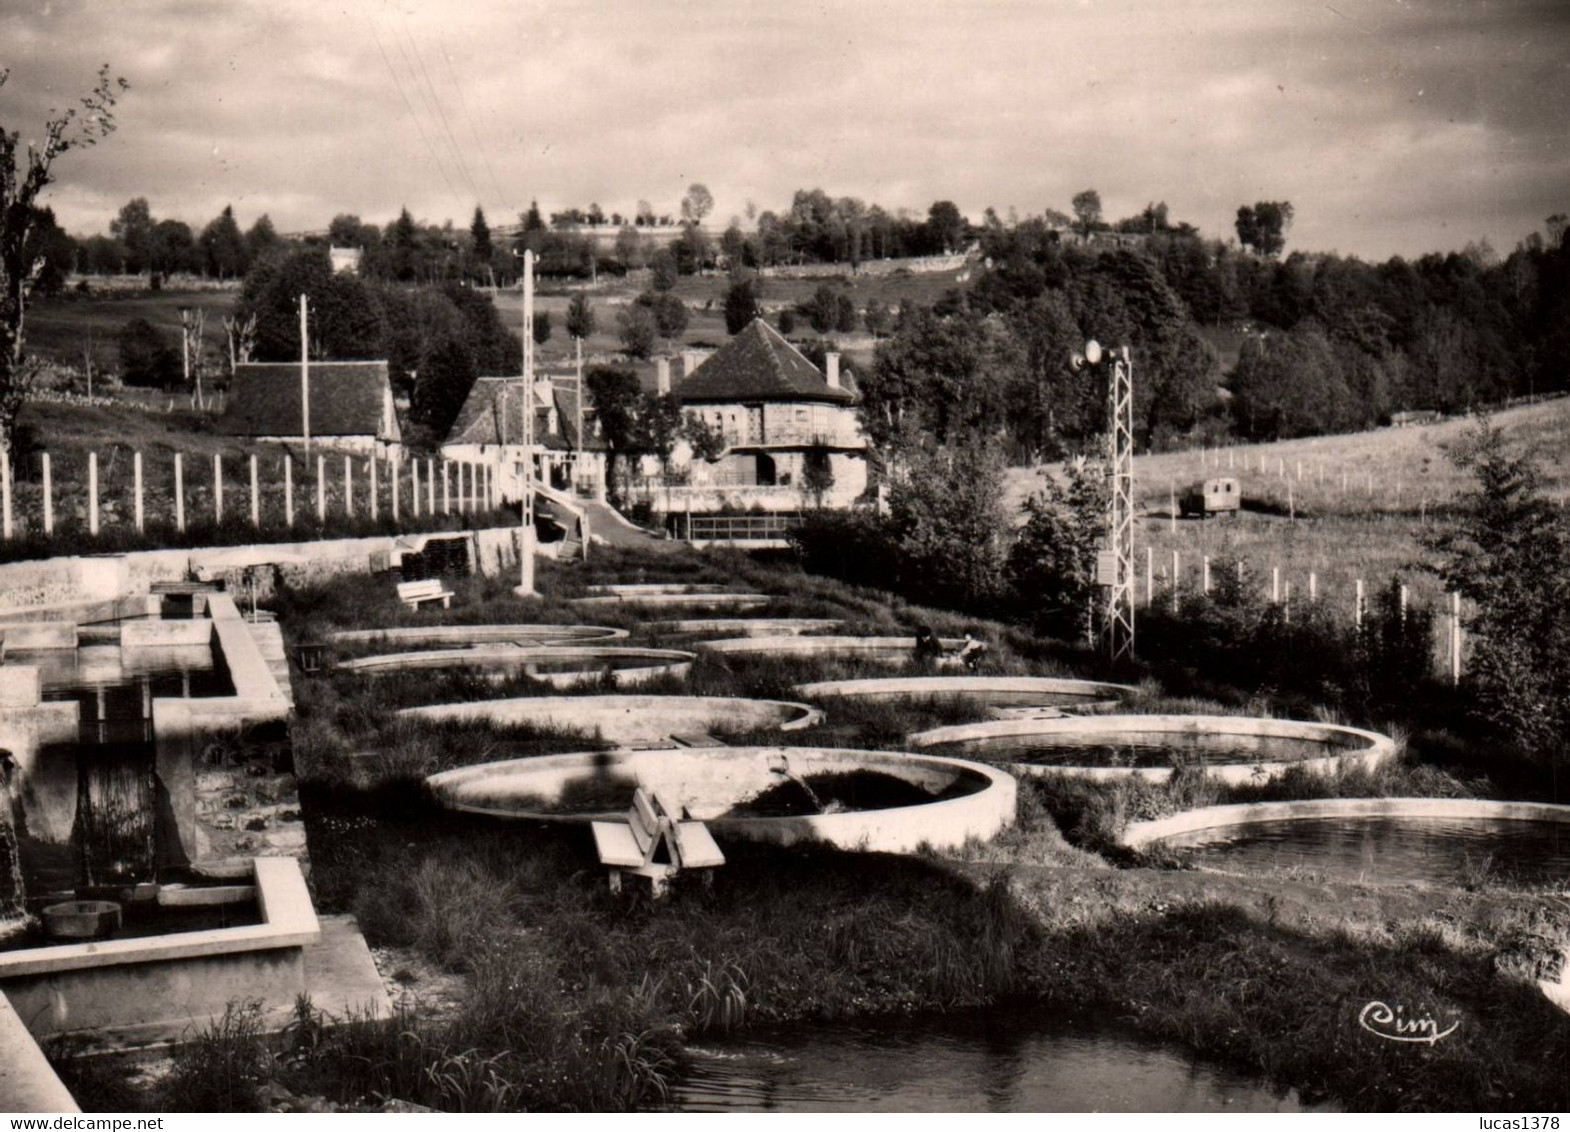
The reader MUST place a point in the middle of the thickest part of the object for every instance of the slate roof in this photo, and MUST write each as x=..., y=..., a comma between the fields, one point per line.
x=347, y=399
x=493, y=413
x=758, y=364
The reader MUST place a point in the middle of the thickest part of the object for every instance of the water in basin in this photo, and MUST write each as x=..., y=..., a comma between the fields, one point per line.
x=1139, y=749
x=1415, y=850
x=1001, y=1063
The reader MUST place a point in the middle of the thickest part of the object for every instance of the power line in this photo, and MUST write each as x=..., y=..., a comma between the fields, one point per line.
x=435, y=158
x=501, y=196
x=441, y=115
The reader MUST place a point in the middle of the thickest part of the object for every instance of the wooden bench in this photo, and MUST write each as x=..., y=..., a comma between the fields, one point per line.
x=654, y=844
x=414, y=594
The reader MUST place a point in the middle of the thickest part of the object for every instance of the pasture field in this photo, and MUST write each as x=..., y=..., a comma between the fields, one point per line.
x=59, y=327
x=1362, y=502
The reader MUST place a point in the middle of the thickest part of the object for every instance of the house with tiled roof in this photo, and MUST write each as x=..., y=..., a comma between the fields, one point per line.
x=569, y=453
x=778, y=414
x=351, y=405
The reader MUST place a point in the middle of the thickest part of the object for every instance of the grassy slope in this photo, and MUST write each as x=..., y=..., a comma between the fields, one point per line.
x=58, y=327
x=1340, y=536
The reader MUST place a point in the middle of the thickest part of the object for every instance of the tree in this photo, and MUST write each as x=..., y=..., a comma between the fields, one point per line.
x=146, y=356
x=260, y=238
x=670, y=314
x=344, y=230
x=629, y=247
x=1264, y=226
x=1052, y=564
x=580, y=316
x=77, y=128
x=403, y=240
x=663, y=266
x=741, y=305
x=635, y=326
x=223, y=248
x=51, y=251
x=817, y=473
x=133, y=227
x=1507, y=554
x=172, y=248
x=480, y=232
x=542, y=327
x=876, y=318
x=1087, y=209
x=947, y=513
x=945, y=226
x=346, y=319
x=697, y=204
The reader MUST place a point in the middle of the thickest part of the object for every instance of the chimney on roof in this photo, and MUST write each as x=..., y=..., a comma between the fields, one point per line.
x=831, y=366
x=662, y=376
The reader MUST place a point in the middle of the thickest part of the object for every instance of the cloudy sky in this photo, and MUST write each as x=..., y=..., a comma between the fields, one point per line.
x=1393, y=126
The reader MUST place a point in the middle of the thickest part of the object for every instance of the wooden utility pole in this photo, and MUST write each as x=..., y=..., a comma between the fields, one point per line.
x=305, y=377
x=525, y=586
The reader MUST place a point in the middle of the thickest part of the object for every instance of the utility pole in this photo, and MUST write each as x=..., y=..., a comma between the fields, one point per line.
x=525, y=586
x=305, y=377
x=578, y=385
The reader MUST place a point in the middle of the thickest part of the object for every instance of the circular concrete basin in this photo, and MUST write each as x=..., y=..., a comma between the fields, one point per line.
x=693, y=599
x=561, y=666
x=479, y=635
x=882, y=650
x=654, y=589
x=632, y=720
x=744, y=626
x=868, y=801
x=1234, y=749
x=1004, y=696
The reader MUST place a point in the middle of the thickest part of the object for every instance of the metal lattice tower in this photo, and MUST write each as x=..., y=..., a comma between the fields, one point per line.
x=1118, y=627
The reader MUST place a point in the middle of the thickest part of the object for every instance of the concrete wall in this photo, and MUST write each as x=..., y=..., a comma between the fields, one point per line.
x=27, y=1081
x=630, y=719
x=1143, y=833
x=708, y=782
x=137, y=988
x=98, y=587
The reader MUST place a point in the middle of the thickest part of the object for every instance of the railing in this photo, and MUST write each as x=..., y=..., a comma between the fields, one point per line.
x=733, y=528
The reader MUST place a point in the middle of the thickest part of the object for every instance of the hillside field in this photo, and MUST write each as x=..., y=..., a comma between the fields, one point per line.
x=1394, y=482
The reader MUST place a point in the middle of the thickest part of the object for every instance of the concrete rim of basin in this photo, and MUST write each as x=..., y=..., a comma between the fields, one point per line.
x=1372, y=750
x=713, y=600
x=480, y=634
x=747, y=626
x=1095, y=692
x=826, y=646
x=940, y=823
x=1138, y=834
x=671, y=662
x=580, y=712
x=655, y=589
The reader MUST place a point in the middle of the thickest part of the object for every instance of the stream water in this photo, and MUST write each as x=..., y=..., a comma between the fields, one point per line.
x=997, y=1063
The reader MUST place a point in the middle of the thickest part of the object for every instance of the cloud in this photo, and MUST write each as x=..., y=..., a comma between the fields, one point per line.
x=1391, y=127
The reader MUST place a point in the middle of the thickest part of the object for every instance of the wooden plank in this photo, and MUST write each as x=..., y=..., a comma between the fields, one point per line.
x=695, y=846
x=616, y=845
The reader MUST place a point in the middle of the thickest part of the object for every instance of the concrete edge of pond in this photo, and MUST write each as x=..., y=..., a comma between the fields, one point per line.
x=747, y=626
x=480, y=634
x=1139, y=834
x=655, y=589
x=28, y=1083
x=624, y=719
x=1374, y=750
x=1097, y=694
x=666, y=662
x=940, y=824
x=694, y=600
x=903, y=648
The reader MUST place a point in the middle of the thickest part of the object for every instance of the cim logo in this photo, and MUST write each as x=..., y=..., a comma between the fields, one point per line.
x=1392, y=1024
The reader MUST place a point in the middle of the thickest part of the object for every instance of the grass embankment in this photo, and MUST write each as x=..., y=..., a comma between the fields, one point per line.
x=1362, y=531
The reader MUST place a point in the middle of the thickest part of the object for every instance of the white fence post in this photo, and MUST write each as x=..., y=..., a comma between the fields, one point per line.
x=92, y=493
x=414, y=488
x=49, y=497
x=430, y=485
x=1275, y=585
x=218, y=488
x=136, y=473
x=1204, y=577
x=371, y=473
x=256, y=497
x=1357, y=612
x=1150, y=576
x=348, y=487
x=7, y=527
x=1313, y=587
x=1455, y=638
x=179, y=492
x=392, y=477
x=321, y=488
x=1174, y=581
x=446, y=487
x=288, y=489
